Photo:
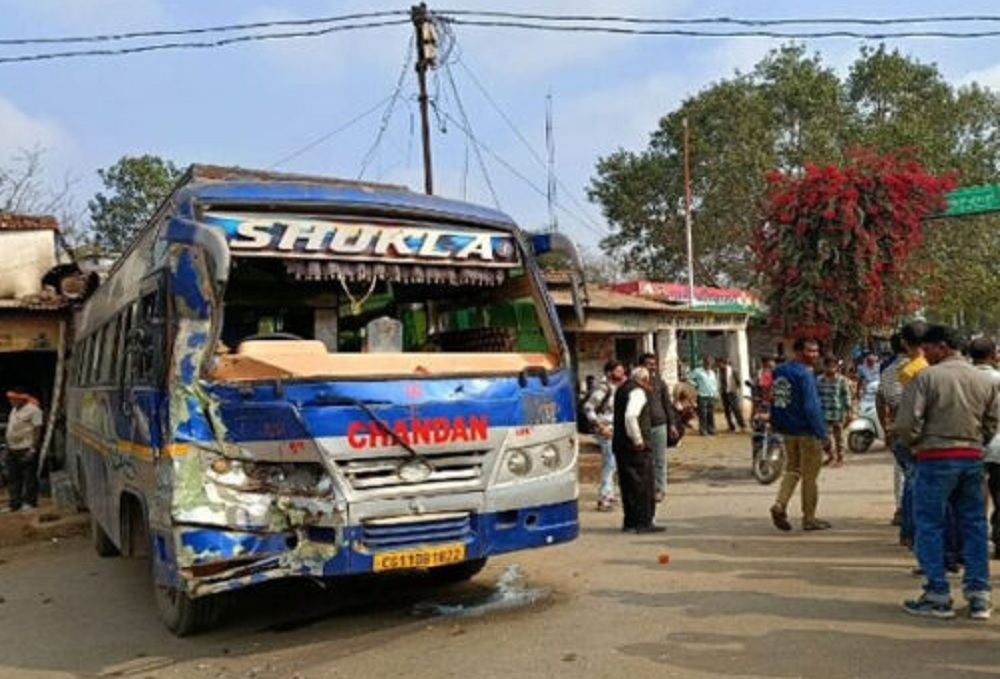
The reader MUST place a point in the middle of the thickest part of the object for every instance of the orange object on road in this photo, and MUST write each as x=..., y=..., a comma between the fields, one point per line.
x=663, y=558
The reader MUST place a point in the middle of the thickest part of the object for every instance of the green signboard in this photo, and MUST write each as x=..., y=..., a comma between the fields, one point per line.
x=973, y=200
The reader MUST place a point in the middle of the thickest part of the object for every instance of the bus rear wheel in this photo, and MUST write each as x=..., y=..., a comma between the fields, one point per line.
x=184, y=615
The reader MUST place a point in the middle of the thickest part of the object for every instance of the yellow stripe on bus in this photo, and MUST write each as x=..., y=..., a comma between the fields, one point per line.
x=130, y=447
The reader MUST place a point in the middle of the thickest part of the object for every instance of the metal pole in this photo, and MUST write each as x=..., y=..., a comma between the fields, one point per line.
x=687, y=233
x=687, y=214
x=418, y=13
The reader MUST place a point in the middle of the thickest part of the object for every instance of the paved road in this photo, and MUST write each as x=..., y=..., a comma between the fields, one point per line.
x=736, y=599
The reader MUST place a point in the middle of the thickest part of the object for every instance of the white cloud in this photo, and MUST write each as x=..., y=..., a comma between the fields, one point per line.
x=20, y=131
x=987, y=77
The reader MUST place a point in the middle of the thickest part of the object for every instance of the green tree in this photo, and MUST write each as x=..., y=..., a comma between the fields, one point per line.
x=787, y=111
x=136, y=186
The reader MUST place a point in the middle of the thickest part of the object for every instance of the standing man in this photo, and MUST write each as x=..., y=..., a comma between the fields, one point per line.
x=982, y=351
x=835, y=400
x=796, y=414
x=631, y=435
x=24, y=439
x=707, y=385
x=948, y=413
x=911, y=335
x=599, y=409
x=731, y=406
x=887, y=398
x=868, y=373
x=661, y=415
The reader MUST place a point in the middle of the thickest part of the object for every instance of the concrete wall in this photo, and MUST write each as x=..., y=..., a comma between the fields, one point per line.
x=28, y=255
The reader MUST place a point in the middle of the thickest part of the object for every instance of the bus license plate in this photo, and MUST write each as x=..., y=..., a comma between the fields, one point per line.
x=424, y=557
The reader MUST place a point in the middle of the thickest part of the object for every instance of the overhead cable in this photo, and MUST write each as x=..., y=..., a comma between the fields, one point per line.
x=694, y=21
x=514, y=171
x=225, y=28
x=390, y=107
x=222, y=42
x=468, y=126
x=319, y=140
x=517, y=133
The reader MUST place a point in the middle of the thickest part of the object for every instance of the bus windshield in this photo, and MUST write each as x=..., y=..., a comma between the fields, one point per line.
x=306, y=315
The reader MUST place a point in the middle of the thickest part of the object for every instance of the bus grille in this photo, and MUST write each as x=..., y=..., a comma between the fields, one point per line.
x=386, y=535
x=463, y=468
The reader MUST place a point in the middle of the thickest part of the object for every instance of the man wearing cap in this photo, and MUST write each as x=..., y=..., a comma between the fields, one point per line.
x=24, y=437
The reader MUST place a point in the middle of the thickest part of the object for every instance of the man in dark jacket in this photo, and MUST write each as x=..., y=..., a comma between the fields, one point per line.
x=661, y=415
x=631, y=436
x=797, y=415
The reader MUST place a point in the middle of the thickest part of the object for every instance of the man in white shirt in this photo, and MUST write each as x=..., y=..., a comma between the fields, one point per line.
x=24, y=437
x=631, y=436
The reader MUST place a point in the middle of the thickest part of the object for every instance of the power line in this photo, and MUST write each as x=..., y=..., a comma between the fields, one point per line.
x=201, y=45
x=693, y=21
x=113, y=37
x=468, y=125
x=514, y=171
x=319, y=140
x=517, y=132
x=390, y=107
x=686, y=33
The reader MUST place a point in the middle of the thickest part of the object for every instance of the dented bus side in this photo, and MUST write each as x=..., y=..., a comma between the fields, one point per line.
x=231, y=458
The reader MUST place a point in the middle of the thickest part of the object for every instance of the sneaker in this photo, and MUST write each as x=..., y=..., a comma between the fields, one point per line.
x=917, y=572
x=650, y=528
x=28, y=508
x=779, y=517
x=604, y=504
x=660, y=495
x=928, y=608
x=816, y=524
x=980, y=608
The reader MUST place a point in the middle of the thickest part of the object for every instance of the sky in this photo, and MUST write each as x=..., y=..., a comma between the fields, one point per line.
x=297, y=105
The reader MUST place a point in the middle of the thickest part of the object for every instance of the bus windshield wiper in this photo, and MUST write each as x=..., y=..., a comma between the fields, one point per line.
x=365, y=407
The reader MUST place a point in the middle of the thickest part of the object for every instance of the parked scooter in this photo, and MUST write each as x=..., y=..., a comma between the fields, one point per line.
x=864, y=429
x=767, y=447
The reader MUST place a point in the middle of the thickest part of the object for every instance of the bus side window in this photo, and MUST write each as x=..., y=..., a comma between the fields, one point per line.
x=146, y=340
x=93, y=373
x=109, y=352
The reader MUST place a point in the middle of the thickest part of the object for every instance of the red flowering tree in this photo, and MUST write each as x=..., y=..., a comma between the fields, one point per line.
x=836, y=243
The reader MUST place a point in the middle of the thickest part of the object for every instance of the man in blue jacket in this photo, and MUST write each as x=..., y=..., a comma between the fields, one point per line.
x=797, y=415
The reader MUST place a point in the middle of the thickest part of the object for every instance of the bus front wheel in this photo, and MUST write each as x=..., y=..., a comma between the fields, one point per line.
x=102, y=543
x=184, y=615
x=459, y=572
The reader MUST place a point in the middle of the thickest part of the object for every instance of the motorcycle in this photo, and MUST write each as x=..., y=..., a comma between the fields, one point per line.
x=863, y=430
x=767, y=447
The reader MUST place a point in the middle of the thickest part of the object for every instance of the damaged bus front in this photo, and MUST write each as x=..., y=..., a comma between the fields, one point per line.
x=317, y=378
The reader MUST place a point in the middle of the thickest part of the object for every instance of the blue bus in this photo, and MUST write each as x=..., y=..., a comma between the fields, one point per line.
x=290, y=376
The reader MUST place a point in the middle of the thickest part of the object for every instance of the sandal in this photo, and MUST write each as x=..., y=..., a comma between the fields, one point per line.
x=817, y=524
x=780, y=518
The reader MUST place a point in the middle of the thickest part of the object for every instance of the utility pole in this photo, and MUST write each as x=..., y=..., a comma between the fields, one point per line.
x=687, y=213
x=687, y=233
x=426, y=55
x=550, y=147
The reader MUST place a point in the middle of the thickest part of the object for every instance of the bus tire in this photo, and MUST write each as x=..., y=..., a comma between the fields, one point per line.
x=102, y=543
x=459, y=572
x=184, y=615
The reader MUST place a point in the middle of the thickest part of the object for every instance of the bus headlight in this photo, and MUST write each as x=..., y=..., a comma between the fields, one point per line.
x=550, y=457
x=518, y=463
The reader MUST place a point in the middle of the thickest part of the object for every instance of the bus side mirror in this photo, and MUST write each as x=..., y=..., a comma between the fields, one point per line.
x=557, y=243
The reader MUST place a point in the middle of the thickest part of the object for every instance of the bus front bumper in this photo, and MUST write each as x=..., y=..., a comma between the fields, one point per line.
x=220, y=560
